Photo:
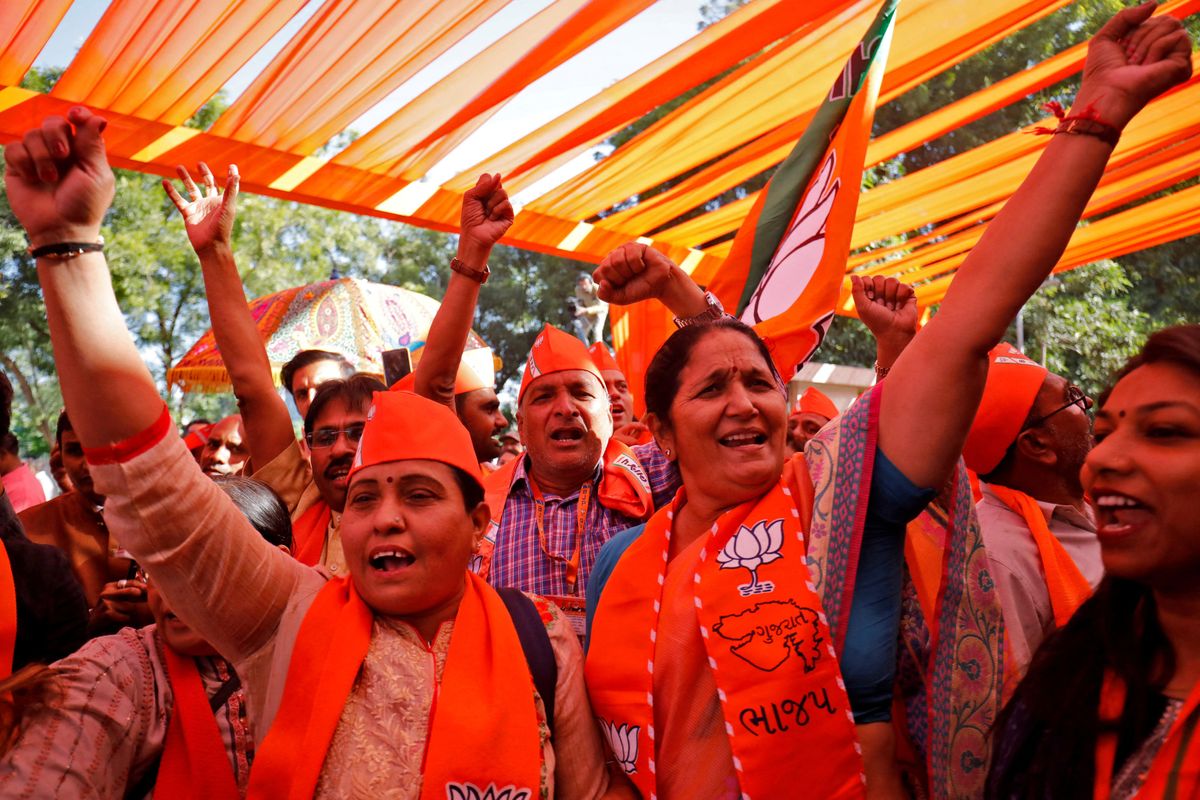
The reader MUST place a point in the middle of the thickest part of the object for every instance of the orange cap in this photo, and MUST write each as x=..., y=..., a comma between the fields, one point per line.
x=476, y=370
x=814, y=401
x=402, y=426
x=555, y=351
x=1013, y=382
x=603, y=358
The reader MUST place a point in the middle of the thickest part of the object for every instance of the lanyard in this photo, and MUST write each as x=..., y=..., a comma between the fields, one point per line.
x=581, y=512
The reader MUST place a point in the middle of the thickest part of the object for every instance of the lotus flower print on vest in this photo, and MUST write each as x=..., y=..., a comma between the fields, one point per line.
x=623, y=740
x=750, y=549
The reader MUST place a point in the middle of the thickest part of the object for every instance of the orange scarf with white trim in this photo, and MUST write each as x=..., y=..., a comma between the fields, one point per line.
x=486, y=687
x=767, y=641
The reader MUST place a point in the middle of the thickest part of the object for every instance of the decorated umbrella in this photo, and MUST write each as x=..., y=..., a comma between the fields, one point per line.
x=356, y=318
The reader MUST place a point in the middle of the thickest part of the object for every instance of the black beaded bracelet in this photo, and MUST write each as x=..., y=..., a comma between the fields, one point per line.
x=66, y=249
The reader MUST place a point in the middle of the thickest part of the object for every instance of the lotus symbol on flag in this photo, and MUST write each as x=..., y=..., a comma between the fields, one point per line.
x=799, y=254
x=623, y=741
x=751, y=548
x=469, y=791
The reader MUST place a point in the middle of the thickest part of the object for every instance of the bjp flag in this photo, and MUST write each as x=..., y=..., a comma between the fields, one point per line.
x=785, y=271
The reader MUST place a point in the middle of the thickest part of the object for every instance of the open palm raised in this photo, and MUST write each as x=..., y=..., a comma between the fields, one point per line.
x=208, y=216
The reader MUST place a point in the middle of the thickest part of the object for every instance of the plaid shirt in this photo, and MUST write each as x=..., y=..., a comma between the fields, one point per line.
x=518, y=559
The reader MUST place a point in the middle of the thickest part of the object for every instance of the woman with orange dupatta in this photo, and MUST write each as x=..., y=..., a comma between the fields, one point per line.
x=744, y=632
x=408, y=678
x=1111, y=703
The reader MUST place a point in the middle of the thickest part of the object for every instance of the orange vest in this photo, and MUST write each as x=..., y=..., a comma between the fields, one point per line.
x=767, y=641
x=486, y=686
x=1175, y=772
x=194, y=762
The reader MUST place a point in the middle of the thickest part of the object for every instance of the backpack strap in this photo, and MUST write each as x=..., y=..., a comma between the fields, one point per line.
x=535, y=641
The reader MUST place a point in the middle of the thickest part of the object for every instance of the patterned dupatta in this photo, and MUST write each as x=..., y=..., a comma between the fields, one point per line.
x=953, y=659
x=951, y=671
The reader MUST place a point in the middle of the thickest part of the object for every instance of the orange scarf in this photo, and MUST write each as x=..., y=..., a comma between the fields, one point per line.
x=8, y=614
x=624, y=488
x=308, y=533
x=1175, y=772
x=767, y=641
x=483, y=729
x=194, y=762
x=1066, y=584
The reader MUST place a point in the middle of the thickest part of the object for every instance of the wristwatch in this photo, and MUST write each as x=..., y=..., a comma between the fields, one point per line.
x=478, y=275
x=713, y=313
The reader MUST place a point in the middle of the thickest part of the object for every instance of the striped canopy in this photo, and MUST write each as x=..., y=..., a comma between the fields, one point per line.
x=149, y=65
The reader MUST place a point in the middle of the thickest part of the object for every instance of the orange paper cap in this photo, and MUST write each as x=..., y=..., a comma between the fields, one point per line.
x=555, y=351
x=402, y=426
x=603, y=358
x=1013, y=382
x=476, y=370
x=814, y=401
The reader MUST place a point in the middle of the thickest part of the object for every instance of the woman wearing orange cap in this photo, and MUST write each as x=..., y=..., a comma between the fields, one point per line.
x=409, y=678
x=1111, y=703
x=738, y=630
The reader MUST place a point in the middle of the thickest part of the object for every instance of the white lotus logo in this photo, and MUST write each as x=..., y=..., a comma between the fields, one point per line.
x=469, y=791
x=623, y=741
x=751, y=548
x=800, y=253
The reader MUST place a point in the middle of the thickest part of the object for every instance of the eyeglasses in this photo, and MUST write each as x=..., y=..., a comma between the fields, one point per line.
x=1075, y=397
x=327, y=437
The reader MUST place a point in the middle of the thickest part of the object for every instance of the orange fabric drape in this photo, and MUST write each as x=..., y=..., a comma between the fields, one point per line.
x=25, y=27
x=317, y=85
x=459, y=101
x=163, y=60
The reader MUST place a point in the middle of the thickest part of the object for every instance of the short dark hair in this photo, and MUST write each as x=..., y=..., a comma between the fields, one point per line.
x=6, y=398
x=356, y=391
x=307, y=357
x=62, y=426
x=266, y=512
x=662, y=376
x=9, y=444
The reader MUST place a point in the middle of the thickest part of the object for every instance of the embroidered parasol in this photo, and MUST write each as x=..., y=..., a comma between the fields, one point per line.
x=356, y=318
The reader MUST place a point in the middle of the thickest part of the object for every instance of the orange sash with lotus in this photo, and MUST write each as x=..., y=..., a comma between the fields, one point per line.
x=767, y=641
x=486, y=688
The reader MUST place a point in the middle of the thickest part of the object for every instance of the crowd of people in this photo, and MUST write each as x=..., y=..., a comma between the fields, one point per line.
x=954, y=587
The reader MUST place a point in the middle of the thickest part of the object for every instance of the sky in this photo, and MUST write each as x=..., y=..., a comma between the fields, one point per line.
x=655, y=31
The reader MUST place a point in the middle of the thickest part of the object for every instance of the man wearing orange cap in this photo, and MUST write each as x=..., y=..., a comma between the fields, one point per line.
x=576, y=486
x=314, y=489
x=1028, y=443
x=812, y=411
x=626, y=428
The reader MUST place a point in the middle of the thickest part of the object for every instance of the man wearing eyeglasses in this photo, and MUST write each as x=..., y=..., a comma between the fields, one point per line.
x=314, y=490
x=1027, y=444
